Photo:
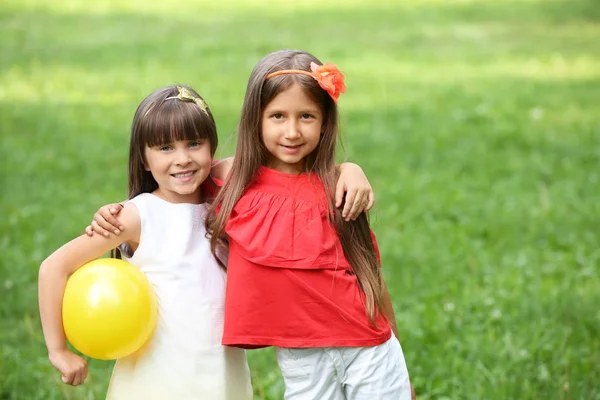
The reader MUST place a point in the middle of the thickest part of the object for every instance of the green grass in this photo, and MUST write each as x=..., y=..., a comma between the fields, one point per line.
x=476, y=121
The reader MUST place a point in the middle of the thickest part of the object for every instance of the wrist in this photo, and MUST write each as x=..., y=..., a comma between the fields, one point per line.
x=52, y=351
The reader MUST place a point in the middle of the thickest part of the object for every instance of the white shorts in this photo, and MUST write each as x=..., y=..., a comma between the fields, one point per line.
x=340, y=373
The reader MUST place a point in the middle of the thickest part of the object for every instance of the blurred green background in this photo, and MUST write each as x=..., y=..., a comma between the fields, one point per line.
x=477, y=123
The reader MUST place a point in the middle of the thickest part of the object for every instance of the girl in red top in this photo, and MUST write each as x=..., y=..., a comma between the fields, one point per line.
x=300, y=277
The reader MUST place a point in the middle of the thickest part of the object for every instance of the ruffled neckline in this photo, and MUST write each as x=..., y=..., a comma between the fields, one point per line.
x=281, y=221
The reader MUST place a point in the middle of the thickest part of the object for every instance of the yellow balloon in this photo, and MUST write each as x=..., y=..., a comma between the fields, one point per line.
x=109, y=309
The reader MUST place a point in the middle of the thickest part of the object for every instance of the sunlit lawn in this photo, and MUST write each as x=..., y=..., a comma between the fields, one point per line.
x=476, y=121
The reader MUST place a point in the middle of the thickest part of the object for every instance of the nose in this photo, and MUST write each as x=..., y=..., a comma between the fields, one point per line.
x=292, y=130
x=182, y=157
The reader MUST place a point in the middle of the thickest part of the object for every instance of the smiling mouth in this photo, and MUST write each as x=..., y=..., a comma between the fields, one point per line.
x=184, y=174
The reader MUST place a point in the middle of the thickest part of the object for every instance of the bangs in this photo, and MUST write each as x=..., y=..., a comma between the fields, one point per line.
x=173, y=120
x=275, y=85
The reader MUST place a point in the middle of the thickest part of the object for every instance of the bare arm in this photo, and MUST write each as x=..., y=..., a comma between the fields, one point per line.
x=352, y=185
x=53, y=275
x=105, y=220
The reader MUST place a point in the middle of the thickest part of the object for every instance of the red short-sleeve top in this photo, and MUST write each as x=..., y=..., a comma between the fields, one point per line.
x=288, y=282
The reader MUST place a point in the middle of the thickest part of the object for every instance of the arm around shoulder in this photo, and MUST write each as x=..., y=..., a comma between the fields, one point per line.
x=78, y=251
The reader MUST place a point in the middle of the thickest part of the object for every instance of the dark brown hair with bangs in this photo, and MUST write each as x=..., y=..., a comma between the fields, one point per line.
x=160, y=120
x=355, y=236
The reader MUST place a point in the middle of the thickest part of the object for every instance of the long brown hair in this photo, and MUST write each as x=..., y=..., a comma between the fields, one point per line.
x=160, y=120
x=251, y=153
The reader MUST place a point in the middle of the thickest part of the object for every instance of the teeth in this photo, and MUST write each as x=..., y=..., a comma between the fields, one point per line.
x=183, y=175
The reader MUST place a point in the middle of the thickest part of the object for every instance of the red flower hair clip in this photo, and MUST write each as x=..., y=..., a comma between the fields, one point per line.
x=329, y=77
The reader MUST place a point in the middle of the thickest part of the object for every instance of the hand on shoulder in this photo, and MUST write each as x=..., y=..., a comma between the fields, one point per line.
x=221, y=168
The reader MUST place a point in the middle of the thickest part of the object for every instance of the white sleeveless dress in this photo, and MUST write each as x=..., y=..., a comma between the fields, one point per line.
x=184, y=359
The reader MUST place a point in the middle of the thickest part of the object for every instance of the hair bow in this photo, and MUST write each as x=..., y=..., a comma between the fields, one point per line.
x=186, y=95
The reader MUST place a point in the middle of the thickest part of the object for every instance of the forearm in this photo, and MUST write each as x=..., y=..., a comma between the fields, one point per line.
x=51, y=289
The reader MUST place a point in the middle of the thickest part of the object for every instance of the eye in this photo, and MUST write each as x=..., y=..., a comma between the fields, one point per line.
x=164, y=147
x=277, y=116
x=307, y=116
x=197, y=143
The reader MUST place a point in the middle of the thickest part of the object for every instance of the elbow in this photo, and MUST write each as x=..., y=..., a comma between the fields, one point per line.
x=50, y=277
x=44, y=267
x=44, y=271
x=47, y=270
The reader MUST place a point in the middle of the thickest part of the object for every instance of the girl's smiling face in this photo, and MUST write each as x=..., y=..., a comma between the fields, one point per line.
x=179, y=168
x=291, y=129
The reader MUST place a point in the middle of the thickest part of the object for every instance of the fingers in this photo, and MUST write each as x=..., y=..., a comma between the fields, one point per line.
x=76, y=379
x=77, y=375
x=350, y=199
x=114, y=209
x=98, y=229
x=79, y=378
x=370, y=200
x=67, y=379
x=105, y=217
x=105, y=221
x=81, y=374
x=357, y=207
x=340, y=191
x=363, y=201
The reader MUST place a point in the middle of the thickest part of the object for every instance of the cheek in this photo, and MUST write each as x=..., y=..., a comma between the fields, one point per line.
x=317, y=132
x=266, y=135
x=207, y=156
x=157, y=162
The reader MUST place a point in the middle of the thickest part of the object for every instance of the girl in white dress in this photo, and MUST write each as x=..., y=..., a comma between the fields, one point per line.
x=173, y=141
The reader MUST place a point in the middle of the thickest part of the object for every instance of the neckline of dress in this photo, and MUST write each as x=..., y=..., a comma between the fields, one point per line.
x=168, y=202
x=266, y=170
